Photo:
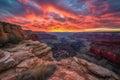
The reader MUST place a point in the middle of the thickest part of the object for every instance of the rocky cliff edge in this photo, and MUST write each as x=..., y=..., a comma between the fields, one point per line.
x=32, y=60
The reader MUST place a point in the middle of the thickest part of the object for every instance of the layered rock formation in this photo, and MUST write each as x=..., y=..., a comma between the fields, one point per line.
x=79, y=69
x=31, y=35
x=44, y=35
x=23, y=57
x=32, y=60
x=98, y=36
x=107, y=52
x=10, y=32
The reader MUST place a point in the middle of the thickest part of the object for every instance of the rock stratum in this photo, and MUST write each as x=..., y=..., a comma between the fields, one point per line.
x=32, y=60
x=10, y=32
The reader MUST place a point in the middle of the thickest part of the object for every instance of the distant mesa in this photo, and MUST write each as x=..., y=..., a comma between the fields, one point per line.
x=98, y=36
x=44, y=35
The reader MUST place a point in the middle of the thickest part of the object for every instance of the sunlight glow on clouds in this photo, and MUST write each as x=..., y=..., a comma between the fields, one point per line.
x=62, y=15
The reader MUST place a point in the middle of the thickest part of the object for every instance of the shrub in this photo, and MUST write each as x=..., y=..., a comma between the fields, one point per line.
x=40, y=72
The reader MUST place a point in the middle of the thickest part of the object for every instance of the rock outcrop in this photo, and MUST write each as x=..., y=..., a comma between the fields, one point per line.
x=33, y=60
x=6, y=61
x=98, y=36
x=79, y=69
x=108, y=52
x=23, y=57
x=9, y=32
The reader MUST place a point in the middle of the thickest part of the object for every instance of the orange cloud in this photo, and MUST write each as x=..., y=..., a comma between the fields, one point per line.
x=55, y=19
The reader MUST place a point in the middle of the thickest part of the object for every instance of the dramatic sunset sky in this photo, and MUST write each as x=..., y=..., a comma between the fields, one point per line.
x=62, y=15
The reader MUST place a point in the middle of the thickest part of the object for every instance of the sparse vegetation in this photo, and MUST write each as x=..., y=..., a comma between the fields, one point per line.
x=14, y=40
x=40, y=72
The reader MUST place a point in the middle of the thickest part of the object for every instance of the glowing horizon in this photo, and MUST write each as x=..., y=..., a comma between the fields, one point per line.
x=62, y=15
x=85, y=30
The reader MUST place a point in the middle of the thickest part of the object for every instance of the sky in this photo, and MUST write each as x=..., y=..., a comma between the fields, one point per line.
x=62, y=15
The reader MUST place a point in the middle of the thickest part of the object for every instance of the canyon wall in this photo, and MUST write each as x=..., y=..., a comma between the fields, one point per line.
x=11, y=32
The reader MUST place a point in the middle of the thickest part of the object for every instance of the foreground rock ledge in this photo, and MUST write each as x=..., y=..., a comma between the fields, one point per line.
x=32, y=60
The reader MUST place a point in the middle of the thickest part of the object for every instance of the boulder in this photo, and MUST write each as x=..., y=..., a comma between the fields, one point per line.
x=42, y=50
x=6, y=62
x=21, y=56
x=26, y=64
x=101, y=72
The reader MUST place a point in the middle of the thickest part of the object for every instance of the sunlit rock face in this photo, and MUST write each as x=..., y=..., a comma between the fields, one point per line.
x=10, y=31
x=6, y=61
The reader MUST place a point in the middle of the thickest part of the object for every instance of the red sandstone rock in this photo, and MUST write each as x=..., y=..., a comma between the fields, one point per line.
x=106, y=54
x=8, y=31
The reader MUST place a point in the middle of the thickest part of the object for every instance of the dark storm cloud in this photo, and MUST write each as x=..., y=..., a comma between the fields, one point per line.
x=114, y=6
x=11, y=7
x=98, y=7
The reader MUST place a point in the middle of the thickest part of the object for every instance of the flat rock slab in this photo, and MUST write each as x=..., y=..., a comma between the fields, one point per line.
x=99, y=71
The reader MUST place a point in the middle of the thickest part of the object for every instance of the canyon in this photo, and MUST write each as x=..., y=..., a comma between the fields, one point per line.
x=43, y=56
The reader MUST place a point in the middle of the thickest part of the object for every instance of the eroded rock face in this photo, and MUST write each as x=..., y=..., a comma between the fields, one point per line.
x=26, y=59
x=6, y=61
x=78, y=69
x=10, y=31
x=3, y=35
x=33, y=61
